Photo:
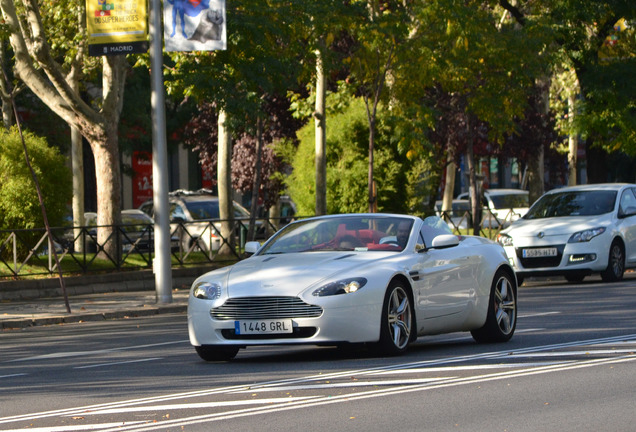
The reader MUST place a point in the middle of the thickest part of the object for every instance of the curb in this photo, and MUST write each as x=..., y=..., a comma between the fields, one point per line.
x=19, y=323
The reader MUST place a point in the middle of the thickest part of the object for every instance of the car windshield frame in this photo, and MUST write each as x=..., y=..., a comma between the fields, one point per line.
x=573, y=204
x=360, y=233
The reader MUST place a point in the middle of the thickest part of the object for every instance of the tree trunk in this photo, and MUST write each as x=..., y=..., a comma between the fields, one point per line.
x=320, y=120
x=224, y=179
x=251, y=232
x=573, y=144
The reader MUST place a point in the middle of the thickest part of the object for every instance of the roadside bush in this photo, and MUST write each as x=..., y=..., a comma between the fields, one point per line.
x=347, y=166
x=19, y=204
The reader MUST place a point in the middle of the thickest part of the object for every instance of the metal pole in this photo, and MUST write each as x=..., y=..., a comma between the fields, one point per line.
x=161, y=264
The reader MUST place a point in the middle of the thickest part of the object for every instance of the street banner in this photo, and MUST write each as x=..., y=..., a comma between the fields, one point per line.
x=194, y=25
x=117, y=27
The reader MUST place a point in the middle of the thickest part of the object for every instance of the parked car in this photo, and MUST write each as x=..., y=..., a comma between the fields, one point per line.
x=137, y=231
x=574, y=232
x=359, y=278
x=459, y=216
x=194, y=218
x=501, y=206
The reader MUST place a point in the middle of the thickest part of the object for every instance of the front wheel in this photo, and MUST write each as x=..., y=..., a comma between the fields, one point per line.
x=501, y=320
x=616, y=263
x=397, y=320
x=216, y=352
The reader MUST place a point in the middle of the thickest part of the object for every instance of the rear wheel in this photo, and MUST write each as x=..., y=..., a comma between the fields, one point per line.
x=397, y=320
x=616, y=263
x=216, y=352
x=502, y=311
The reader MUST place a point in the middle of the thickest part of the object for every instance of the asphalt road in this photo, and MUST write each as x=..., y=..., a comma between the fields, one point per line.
x=570, y=366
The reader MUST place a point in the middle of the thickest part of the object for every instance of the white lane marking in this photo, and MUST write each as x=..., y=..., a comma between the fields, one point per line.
x=70, y=428
x=470, y=367
x=173, y=407
x=13, y=375
x=228, y=389
x=117, y=363
x=162, y=425
x=538, y=314
x=571, y=353
x=93, y=353
x=347, y=384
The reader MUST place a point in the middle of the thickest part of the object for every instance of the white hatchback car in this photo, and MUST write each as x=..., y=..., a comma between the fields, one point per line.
x=574, y=232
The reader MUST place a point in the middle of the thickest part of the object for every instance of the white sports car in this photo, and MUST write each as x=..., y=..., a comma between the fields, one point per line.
x=360, y=278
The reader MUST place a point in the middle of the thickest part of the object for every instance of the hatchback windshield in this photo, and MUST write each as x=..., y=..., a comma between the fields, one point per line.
x=510, y=201
x=577, y=203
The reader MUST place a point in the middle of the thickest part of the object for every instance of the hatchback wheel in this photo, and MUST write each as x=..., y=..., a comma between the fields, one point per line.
x=616, y=263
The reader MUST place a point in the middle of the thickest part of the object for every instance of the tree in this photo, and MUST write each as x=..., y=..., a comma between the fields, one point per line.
x=19, y=205
x=347, y=166
x=48, y=79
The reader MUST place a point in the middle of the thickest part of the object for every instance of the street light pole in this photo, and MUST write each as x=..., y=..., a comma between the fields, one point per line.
x=161, y=264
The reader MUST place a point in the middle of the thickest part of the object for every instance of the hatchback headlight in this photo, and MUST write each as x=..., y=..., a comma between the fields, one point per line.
x=344, y=286
x=504, y=240
x=586, y=235
x=207, y=291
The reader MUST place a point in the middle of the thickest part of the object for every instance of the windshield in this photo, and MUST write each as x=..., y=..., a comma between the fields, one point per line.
x=347, y=233
x=203, y=209
x=576, y=203
x=510, y=201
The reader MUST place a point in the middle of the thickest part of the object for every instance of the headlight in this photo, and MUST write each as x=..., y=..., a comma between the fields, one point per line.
x=344, y=286
x=586, y=235
x=207, y=291
x=504, y=240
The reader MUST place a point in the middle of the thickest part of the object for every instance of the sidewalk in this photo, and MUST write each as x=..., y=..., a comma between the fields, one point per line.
x=88, y=307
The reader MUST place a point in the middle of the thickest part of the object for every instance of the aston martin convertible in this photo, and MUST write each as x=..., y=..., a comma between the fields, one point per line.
x=381, y=280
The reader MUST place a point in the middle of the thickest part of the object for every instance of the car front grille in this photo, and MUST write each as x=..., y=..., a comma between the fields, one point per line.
x=530, y=263
x=255, y=308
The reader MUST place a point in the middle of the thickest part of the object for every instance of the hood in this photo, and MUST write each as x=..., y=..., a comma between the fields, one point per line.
x=557, y=226
x=291, y=274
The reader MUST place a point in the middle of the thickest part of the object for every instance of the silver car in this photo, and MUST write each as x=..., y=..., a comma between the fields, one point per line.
x=574, y=232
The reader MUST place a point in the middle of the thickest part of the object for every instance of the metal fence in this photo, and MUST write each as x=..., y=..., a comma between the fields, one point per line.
x=29, y=252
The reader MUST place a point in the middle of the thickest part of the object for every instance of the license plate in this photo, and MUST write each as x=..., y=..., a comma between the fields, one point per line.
x=539, y=252
x=263, y=327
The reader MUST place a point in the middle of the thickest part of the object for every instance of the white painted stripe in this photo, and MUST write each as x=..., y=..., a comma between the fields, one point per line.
x=470, y=368
x=118, y=363
x=173, y=407
x=530, y=315
x=93, y=353
x=71, y=428
x=13, y=375
x=348, y=384
x=571, y=353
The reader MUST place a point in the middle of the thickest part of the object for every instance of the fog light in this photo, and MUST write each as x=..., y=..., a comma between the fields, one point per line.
x=581, y=258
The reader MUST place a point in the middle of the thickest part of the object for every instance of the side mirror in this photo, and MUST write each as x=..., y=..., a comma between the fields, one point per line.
x=252, y=247
x=445, y=241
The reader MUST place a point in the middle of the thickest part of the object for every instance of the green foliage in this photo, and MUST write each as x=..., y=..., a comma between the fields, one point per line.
x=19, y=204
x=347, y=166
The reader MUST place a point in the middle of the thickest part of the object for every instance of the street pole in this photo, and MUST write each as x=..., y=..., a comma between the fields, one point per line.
x=161, y=263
